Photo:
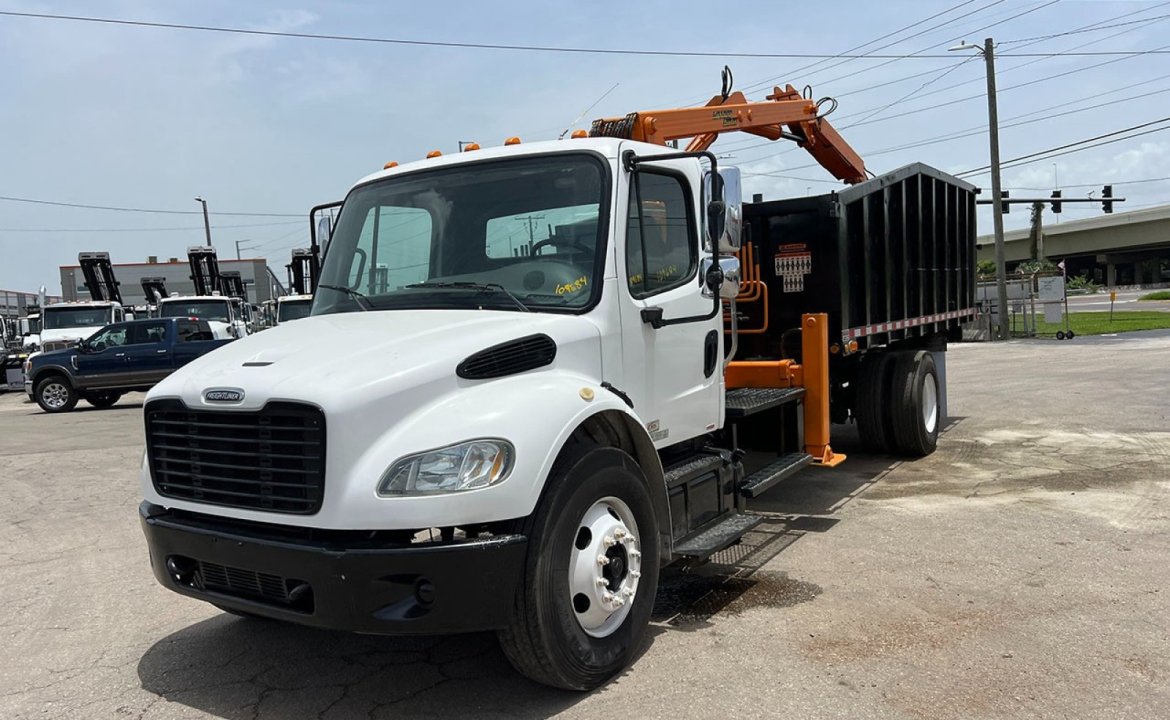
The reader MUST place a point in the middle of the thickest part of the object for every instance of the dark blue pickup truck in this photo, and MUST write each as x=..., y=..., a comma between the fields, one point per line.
x=119, y=358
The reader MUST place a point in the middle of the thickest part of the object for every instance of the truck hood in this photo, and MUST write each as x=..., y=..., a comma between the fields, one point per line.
x=349, y=360
x=73, y=334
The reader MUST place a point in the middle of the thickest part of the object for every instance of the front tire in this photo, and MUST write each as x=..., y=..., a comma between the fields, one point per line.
x=54, y=394
x=577, y=621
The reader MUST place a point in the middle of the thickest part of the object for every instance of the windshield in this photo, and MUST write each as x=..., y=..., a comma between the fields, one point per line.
x=293, y=309
x=202, y=309
x=34, y=325
x=484, y=235
x=73, y=317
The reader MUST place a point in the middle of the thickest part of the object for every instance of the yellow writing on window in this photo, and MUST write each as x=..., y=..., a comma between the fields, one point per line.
x=572, y=287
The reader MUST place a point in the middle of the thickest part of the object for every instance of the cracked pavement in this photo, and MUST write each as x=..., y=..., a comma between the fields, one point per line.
x=1020, y=571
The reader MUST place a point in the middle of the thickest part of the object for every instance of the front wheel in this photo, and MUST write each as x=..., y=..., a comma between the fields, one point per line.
x=54, y=394
x=591, y=574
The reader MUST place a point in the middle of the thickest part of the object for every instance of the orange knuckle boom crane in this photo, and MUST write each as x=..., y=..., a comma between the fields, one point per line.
x=786, y=114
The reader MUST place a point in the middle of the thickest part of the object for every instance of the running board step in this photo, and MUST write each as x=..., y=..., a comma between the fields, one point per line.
x=722, y=534
x=742, y=402
x=779, y=469
x=692, y=468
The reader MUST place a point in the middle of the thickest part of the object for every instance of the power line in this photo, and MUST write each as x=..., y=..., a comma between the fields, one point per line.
x=920, y=88
x=1036, y=156
x=936, y=106
x=867, y=121
x=1083, y=30
x=765, y=83
x=1012, y=122
x=918, y=53
x=481, y=46
x=1096, y=184
x=56, y=203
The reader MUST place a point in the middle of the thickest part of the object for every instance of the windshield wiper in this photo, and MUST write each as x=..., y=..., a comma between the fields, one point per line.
x=480, y=287
x=362, y=301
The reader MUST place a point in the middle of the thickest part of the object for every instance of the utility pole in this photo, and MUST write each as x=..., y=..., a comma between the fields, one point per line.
x=206, y=222
x=988, y=51
x=238, y=242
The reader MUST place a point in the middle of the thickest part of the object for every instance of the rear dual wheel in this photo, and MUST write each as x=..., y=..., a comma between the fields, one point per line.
x=898, y=403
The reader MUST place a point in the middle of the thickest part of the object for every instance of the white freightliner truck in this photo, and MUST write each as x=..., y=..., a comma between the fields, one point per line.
x=65, y=324
x=545, y=405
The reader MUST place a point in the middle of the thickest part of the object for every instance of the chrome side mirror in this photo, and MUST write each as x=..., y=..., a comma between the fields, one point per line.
x=724, y=199
x=723, y=278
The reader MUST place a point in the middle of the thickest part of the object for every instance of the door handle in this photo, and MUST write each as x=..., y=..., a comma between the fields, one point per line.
x=161, y=352
x=119, y=354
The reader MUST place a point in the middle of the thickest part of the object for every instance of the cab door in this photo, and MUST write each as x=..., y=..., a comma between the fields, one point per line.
x=670, y=372
x=101, y=362
x=148, y=357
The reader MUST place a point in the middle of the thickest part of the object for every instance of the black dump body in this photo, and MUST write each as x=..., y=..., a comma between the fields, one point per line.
x=890, y=260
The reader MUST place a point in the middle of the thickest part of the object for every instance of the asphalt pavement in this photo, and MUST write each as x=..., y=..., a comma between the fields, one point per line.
x=1019, y=572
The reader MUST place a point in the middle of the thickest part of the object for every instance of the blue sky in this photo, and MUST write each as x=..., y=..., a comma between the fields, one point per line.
x=150, y=118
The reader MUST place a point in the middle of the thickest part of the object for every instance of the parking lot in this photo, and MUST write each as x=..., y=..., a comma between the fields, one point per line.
x=1020, y=571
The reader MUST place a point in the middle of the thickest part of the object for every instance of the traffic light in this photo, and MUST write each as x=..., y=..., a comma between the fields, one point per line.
x=1106, y=202
x=1056, y=204
x=1007, y=206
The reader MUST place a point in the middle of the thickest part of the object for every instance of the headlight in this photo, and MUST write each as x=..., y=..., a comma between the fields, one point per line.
x=466, y=466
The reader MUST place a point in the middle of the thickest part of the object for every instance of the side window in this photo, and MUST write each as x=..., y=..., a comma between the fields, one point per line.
x=148, y=332
x=113, y=336
x=191, y=331
x=662, y=250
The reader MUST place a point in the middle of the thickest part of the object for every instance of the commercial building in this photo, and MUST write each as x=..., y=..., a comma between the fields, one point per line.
x=14, y=303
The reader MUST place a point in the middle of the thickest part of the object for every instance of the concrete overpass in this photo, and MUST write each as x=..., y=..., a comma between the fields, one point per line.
x=1128, y=248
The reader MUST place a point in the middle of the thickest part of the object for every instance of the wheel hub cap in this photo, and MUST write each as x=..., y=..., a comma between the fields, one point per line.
x=54, y=395
x=929, y=403
x=604, y=567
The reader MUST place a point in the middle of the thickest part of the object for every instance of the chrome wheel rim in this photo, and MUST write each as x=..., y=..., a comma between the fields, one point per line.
x=55, y=395
x=929, y=402
x=604, y=567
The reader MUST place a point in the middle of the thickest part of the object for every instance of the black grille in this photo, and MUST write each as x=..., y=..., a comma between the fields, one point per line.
x=272, y=459
x=509, y=358
x=249, y=584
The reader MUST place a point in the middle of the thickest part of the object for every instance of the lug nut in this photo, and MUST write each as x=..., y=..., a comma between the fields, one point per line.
x=619, y=533
x=601, y=582
x=635, y=574
x=619, y=601
x=608, y=541
x=635, y=554
x=607, y=597
x=602, y=560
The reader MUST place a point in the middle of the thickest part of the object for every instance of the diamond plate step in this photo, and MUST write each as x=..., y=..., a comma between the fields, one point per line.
x=719, y=536
x=779, y=469
x=742, y=402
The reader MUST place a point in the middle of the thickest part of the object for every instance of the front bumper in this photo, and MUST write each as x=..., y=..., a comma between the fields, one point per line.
x=445, y=587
